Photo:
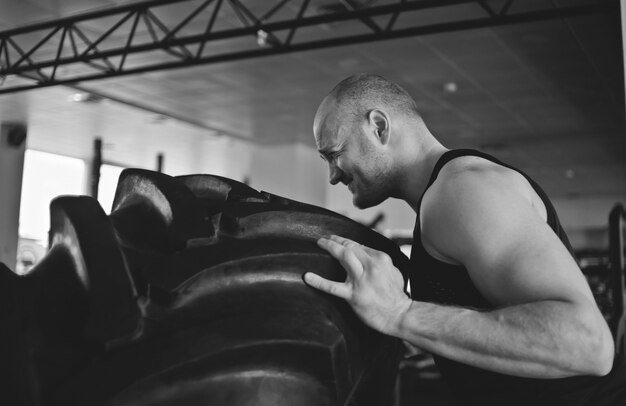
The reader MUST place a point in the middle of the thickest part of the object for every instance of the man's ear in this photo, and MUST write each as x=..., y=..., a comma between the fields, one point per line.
x=379, y=121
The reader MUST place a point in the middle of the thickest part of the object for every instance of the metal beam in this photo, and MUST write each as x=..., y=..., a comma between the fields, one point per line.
x=93, y=56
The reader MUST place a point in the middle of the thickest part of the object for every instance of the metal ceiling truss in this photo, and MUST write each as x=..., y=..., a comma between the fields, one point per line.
x=67, y=50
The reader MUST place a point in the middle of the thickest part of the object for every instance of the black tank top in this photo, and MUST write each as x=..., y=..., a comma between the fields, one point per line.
x=438, y=282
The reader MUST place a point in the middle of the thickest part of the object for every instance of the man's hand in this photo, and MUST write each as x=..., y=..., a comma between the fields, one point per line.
x=374, y=287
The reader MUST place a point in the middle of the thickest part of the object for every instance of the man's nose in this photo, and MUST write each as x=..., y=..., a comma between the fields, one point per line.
x=334, y=174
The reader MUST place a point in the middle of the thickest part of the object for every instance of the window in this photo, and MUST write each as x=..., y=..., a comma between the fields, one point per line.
x=109, y=174
x=45, y=177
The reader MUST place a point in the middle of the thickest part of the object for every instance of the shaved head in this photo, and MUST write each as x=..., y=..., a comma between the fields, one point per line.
x=356, y=95
x=371, y=135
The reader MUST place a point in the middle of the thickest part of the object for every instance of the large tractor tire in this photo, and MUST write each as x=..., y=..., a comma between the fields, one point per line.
x=190, y=293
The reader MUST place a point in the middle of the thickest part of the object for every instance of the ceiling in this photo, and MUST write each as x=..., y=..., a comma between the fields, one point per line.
x=547, y=96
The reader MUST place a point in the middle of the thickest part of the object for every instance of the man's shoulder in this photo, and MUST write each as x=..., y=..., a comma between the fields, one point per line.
x=470, y=167
x=471, y=175
x=469, y=194
x=451, y=199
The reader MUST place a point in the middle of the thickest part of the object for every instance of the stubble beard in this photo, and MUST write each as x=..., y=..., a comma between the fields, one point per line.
x=372, y=194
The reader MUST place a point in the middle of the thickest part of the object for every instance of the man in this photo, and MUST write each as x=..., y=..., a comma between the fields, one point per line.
x=498, y=298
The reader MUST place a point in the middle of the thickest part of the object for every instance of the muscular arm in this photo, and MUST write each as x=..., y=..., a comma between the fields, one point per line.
x=546, y=324
x=544, y=339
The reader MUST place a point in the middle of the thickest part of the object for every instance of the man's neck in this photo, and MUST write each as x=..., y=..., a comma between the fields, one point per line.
x=418, y=173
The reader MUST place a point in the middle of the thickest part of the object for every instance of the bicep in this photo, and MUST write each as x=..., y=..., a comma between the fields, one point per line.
x=510, y=252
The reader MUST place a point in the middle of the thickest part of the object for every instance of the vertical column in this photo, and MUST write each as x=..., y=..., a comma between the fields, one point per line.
x=94, y=173
x=623, y=20
x=159, y=162
x=290, y=170
x=12, y=149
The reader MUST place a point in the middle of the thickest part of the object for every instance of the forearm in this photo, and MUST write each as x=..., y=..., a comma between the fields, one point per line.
x=548, y=339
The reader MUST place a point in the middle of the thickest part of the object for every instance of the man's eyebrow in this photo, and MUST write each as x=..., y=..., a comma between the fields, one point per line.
x=328, y=152
x=331, y=149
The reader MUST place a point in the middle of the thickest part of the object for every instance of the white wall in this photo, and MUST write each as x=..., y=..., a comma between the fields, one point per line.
x=131, y=137
x=224, y=156
x=294, y=171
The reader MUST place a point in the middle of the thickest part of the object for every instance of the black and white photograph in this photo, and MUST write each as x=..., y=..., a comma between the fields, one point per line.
x=312, y=203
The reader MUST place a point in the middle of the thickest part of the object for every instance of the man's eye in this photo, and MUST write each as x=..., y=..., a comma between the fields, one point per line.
x=330, y=156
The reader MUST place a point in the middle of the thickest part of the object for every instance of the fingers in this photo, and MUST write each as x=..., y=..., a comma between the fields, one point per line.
x=341, y=244
x=350, y=243
x=346, y=242
x=339, y=289
x=347, y=256
x=362, y=252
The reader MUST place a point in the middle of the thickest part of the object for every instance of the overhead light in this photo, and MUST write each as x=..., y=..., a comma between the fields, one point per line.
x=261, y=38
x=83, y=97
x=450, y=87
x=266, y=39
x=570, y=174
x=76, y=97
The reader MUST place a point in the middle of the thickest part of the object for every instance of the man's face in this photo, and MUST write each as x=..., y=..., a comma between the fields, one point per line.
x=353, y=159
